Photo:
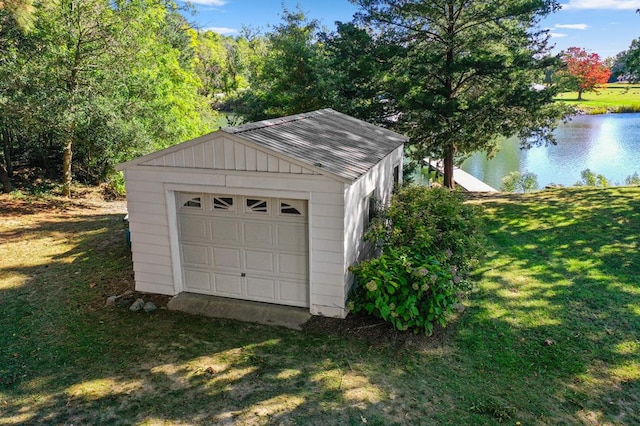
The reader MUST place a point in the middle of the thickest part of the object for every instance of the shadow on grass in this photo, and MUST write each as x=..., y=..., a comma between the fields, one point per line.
x=565, y=268
x=560, y=296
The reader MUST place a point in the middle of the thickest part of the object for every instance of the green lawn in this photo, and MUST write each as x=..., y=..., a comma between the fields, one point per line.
x=550, y=336
x=613, y=98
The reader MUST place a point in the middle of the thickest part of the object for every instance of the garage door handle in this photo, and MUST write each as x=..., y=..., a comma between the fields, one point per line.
x=243, y=274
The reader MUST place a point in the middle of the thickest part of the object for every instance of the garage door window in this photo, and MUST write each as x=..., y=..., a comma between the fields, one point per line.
x=191, y=202
x=257, y=205
x=223, y=204
x=289, y=209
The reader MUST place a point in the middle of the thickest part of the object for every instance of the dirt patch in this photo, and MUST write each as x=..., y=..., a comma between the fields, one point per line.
x=378, y=333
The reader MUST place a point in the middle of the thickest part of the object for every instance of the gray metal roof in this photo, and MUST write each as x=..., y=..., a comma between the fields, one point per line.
x=326, y=139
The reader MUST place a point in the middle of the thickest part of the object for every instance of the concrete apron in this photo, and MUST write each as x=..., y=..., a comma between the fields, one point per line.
x=241, y=310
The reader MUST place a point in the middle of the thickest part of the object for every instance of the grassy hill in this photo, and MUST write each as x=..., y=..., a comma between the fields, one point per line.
x=613, y=98
x=551, y=335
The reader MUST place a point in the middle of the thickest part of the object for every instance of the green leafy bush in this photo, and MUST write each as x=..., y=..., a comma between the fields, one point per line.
x=589, y=178
x=429, y=241
x=633, y=179
x=520, y=182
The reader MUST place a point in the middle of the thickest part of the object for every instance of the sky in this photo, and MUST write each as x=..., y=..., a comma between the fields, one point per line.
x=605, y=27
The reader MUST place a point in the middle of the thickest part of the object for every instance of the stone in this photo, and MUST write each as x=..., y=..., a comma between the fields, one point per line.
x=548, y=341
x=459, y=307
x=111, y=300
x=137, y=305
x=149, y=307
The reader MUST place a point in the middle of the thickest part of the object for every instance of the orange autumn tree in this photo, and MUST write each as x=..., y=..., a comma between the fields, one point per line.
x=583, y=71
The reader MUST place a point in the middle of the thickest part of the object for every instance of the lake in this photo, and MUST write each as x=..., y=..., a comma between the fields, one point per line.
x=607, y=144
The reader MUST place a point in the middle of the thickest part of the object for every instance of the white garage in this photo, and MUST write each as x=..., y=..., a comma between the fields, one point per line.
x=272, y=211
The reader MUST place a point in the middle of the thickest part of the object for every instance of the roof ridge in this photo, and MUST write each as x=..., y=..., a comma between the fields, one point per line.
x=270, y=122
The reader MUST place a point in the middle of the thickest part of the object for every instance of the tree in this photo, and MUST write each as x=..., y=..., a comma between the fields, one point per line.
x=583, y=72
x=358, y=66
x=629, y=62
x=95, y=82
x=291, y=79
x=467, y=74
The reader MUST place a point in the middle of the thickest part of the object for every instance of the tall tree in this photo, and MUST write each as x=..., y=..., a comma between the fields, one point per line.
x=98, y=81
x=291, y=79
x=583, y=71
x=358, y=65
x=468, y=72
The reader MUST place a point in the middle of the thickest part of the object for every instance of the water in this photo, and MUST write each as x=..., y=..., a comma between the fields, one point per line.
x=607, y=144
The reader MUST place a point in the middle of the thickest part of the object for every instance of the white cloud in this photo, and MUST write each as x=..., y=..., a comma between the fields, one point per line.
x=602, y=4
x=557, y=35
x=573, y=26
x=209, y=2
x=222, y=30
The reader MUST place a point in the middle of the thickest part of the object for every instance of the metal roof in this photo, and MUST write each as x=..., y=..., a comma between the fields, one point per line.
x=324, y=139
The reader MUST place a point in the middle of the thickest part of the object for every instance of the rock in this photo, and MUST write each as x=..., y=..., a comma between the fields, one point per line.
x=111, y=300
x=137, y=305
x=149, y=307
x=126, y=293
x=459, y=307
x=548, y=341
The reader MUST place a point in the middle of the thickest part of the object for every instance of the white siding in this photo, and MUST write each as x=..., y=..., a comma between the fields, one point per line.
x=149, y=186
x=221, y=151
x=221, y=163
x=379, y=182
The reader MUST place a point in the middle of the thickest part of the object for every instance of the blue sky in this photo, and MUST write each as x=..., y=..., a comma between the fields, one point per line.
x=605, y=27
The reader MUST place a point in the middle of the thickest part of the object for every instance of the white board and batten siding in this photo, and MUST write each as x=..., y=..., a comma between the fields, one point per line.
x=260, y=160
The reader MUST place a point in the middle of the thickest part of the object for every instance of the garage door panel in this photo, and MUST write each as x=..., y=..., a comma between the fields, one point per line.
x=193, y=228
x=291, y=236
x=261, y=261
x=294, y=292
x=246, y=253
x=261, y=288
x=258, y=233
x=228, y=285
x=226, y=257
x=292, y=263
x=225, y=231
x=193, y=254
x=200, y=280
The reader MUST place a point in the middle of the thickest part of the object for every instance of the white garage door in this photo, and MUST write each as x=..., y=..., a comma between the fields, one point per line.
x=253, y=248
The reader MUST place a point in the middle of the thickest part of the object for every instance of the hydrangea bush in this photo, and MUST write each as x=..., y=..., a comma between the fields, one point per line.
x=429, y=241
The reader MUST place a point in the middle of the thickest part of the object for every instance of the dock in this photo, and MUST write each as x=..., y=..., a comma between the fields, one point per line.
x=460, y=177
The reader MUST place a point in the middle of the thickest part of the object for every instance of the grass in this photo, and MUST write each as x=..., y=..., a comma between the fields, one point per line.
x=618, y=97
x=550, y=336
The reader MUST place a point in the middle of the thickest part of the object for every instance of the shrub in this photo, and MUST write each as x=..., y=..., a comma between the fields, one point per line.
x=589, y=178
x=520, y=182
x=633, y=179
x=429, y=241
x=408, y=289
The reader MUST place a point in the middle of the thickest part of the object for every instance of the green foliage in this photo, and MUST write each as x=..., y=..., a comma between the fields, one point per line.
x=464, y=76
x=109, y=82
x=429, y=240
x=433, y=222
x=407, y=288
x=633, y=179
x=520, y=182
x=589, y=178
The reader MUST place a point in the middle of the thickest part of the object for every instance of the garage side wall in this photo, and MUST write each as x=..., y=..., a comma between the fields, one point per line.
x=377, y=185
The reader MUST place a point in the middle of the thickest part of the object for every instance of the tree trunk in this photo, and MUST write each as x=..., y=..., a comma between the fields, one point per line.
x=4, y=179
x=580, y=94
x=448, y=167
x=67, y=156
x=7, y=142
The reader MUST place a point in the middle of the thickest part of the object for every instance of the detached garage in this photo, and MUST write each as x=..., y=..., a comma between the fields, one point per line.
x=272, y=211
